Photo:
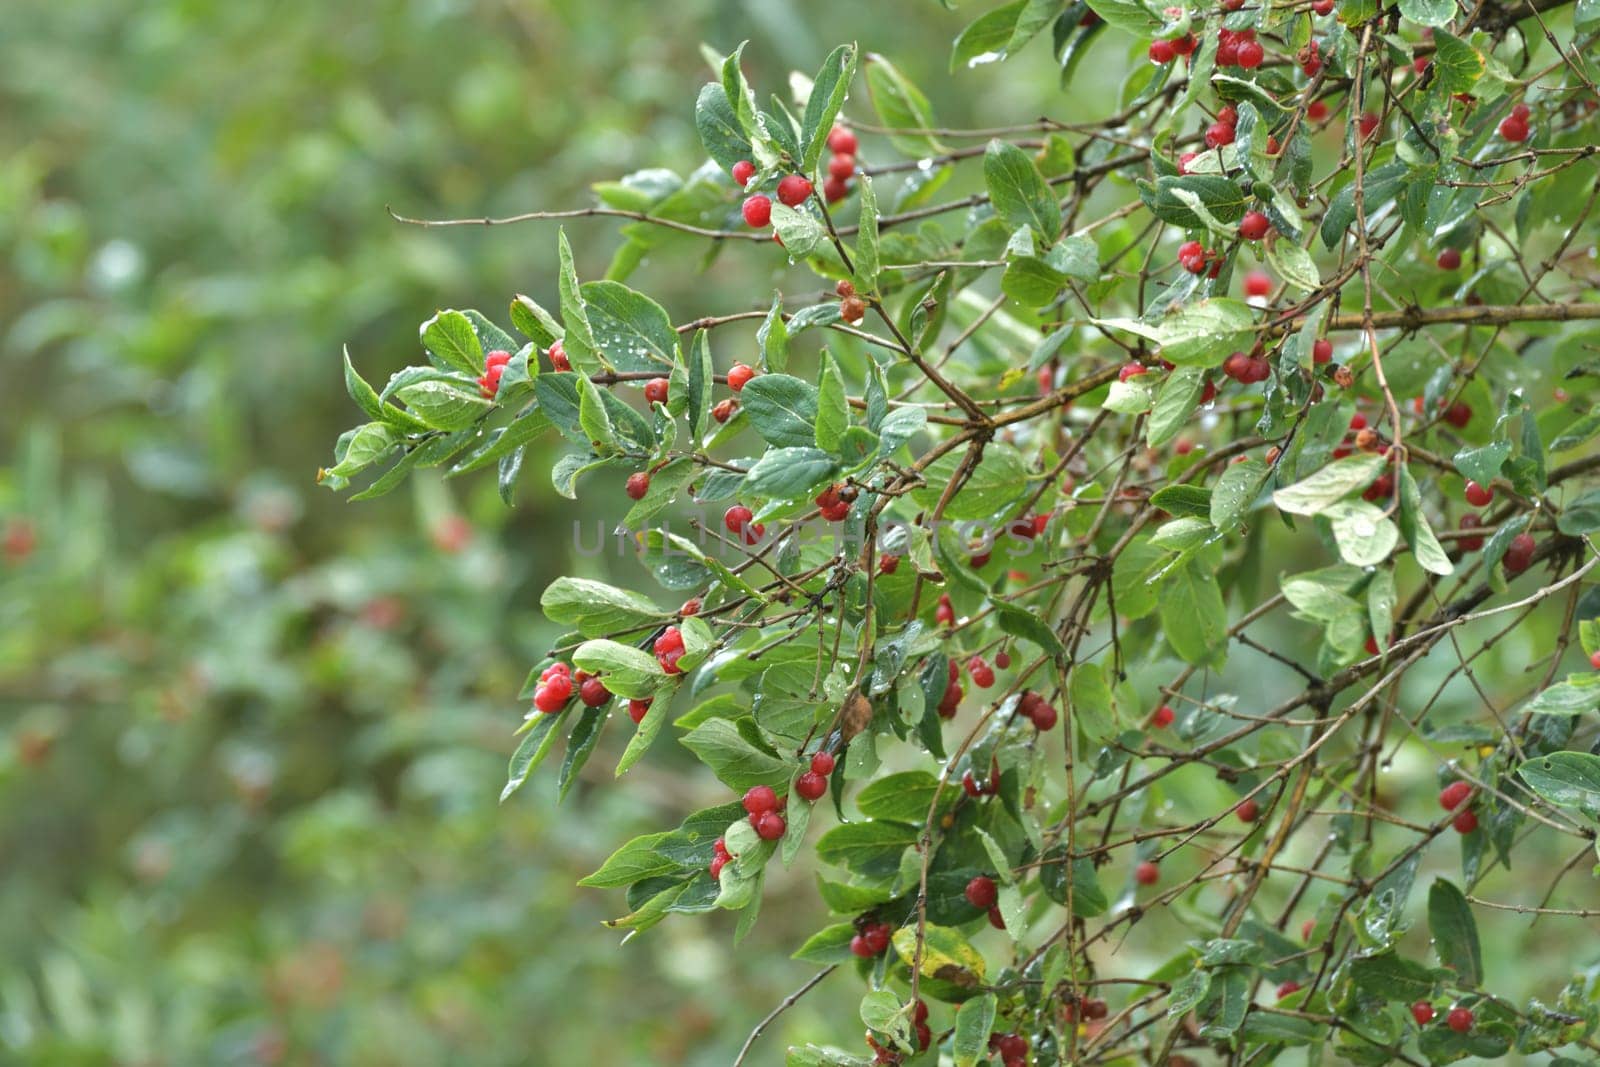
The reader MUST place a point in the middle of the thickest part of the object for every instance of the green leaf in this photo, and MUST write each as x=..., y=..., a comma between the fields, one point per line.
x=1193, y=616
x=783, y=409
x=1566, y=779
x=1582, y=516
x=1389, y=977
x=1236, y=492
x=828, y=91
x=974, y=1021
x=946, y=954
x=866, y=847
x=906, y=796
x=633, y=331
x=1456, y=64
x=1128, y=398
x=1183, y=500
x=1455, y=932
x=985, y=39
x=902, y=107
x=534, y=322
x=1414, y=527
x=866, y=260
x=1195, y=201
x=801, y=231
x=1294, y=265
x=1383, y=183
x=1130, y=16
x=536, y=745
x=833, y=407
x=1093, y=706
x=450, y=336
x=1206, y=333
x=1030, y=627
x=999, y=479
x=645, y=735
x=1428, y=12
x=724, y=139
x=733, y=757
x=898, y=427
x=1482, y=464
x=1365, y=536
x=829, y=945
x=1566, y=698
x=368, y=445
x=580, y=746
x=594, y=417
x=701, y=384
x=443, y=405
x=790, y=473
x=1176, y=401
x=594, y=608
x=1329, y=485
x=627, y=671
x=579, y=341
x=633, y=862
x=773, y=336
x=1019, y=192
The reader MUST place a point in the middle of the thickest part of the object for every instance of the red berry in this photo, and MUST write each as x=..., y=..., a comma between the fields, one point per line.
x=1254, y=226
x=558, y=356
x=1323, y=7
x=1477, y=495
x=759, y=799
x=888, y=564
x=970, y=785
x=1162, y=52
x=1458, y=414
x=822, y=763
x=1454, y=795
x=719, y=862
x=835, y=190
x=1368, y=123
x=1513, y=129
x=1249, y=55
x=1460, y=1020
x=981, y=892
x=593, y=692
x=737, y=520
x=769, y=825
x=1002, y=659
x=859, y=947
x=1372, y=644
x=1317, y=110
x=1594, y=660
x=1257, y=283
x=811, y=785
x=739, y=375
x=1423, y=1012
x=920, y=1012
x=1308, y=928
x=1291, y=986
x=638, y=485
x=841, y=167
x=1045, y=717
x=1162, y=717
x=743, y=171
x=1465, y=823
x=842, y=140
x=1322, y=350
x=981, y=673
x=757, y=211
x=1132, y=370
x=1470, y=544
x=1219, y=134
x=655, y=390
x=997, y=920
x=1146, y=873
x=553, y=695
x=945, y=613
x=1449, y=259
x=794, y=190
x=1228, y=115
x=1185, y=45
x=1012, y=1047
x=637, y=710
x=1248, y=810
x=1519, y=554
x=1520, y=111
x=723, y=409
x=877, y=937
x=498, y=358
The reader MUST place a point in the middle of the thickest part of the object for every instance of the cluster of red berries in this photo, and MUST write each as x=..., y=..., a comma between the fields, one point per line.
x=1514, y=127
x=1011, y=1048
x=557, y=683
x=980, y=672
x=669, y=649
x=1223, y=130
x=953, y=693
x=1239, y=48
x=737, y=521
x=1036, y=708
x=813, y=783
x=871, y=939
x=1456, y=797
x=765, y=809
x=852, y=308
x=793, y=190
x=841, y=165
x=1310, y=59
x=1165, y=50
x=1196, y=258
x=719, y=858
x=835, y=502
x=558, y=356
x=494, y=365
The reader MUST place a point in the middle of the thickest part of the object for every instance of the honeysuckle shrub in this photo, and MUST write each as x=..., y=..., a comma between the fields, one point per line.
x=1083, y=523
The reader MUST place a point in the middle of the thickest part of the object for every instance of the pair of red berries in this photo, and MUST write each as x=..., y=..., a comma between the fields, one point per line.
x=980, y=672
x=814, y=782
x=834, y=507
x=1038, y=709
x=1222, y=131
x=765, y=809
x=719, y=858
x=737, y=521
x=1514, y=127
x=945, y=612
x=1310, y=59
x=1011, y=1048
x=974, y=788
x=1247, y=369
x=1196, y=258
x=1239, y=48
x=871, y=940
x=669, y=650
x=558, y=356
x=793, y=191
x=1165, y=50
x=1454, y=798
x=494, y=367
x=953, y=693
x=841, y=164
x=1458, y=1019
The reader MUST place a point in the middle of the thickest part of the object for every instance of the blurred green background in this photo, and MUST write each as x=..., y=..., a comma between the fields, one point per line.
x=251, y=735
